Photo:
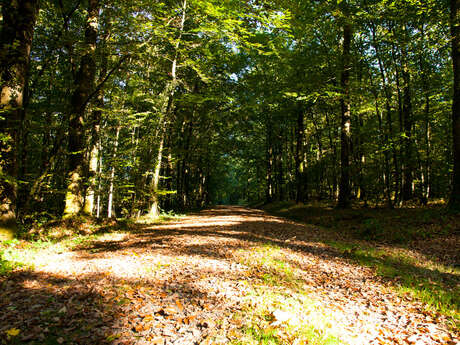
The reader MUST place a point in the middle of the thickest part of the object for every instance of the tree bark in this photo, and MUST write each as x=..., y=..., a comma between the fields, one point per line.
x=300, y=197
x=112, y=174
x=454, y=202
x=409, y=168
x=331, y=134
x=16, y=36
x=344, y=189
x=269, y=191
x=165, y=111
x=94, y=129
x=84, y=84
x=389, y=121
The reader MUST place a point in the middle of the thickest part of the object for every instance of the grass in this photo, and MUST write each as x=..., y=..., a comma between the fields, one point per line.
x=277, y=309
x=380, y=239
x=436, y=285
x=58, y=237
x=398, y=226
x=16, y=253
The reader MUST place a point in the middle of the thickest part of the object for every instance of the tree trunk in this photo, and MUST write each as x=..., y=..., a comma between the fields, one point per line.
x=15, y=44
x=399, y=176
x=428, y=162
x=299, y=156
x=409, y=168
x=166, y=109
x=454, y=202
x=94, y=127
x=279, y=170
x=112, y=175
x=99, y=179
x=269, y=147
x=389, y=132
x=344, y=190
x=154, y=212
x=75, y=195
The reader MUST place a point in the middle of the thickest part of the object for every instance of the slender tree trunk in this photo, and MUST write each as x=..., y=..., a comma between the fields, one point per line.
x=402, y=165
x=292, y=176
x=165, y=111
x=112, y=174
x=136, y=170
x=386, y=174
x=75, y=195
x=299, y=156
x=99, y=179
x=426, y=164
x=186, y=170
x=16, y=36
x=344, y=191
x=94, y=127
x=454, y=202
x=409, y=168
x=389, y=121
x=319, y=160
x=428, y=149
x=333, y=147
x=269, y=147
x=169, y=172
x=279, y=170
x=361, y=161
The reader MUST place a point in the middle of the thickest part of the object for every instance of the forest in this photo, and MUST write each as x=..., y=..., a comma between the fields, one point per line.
x=126, y=122
x=123, y=109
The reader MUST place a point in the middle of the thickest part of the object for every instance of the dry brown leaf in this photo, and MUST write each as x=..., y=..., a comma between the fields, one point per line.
x=179, y=305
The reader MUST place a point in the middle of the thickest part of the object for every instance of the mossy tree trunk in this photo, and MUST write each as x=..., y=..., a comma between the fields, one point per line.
x=16, y=36
x=84, y=83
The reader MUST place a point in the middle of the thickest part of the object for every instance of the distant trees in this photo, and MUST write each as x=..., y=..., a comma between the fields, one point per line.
x=122, y=109
x=376, y=71
x=454, y=202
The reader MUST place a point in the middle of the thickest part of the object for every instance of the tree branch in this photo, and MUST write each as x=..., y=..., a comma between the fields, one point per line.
x=101, y=84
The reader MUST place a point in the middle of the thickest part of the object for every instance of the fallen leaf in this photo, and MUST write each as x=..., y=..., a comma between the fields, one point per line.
x=157, y=341
x=179, y=305
x=13, y=332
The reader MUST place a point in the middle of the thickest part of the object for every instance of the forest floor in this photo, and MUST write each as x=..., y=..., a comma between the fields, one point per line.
x=228, y=275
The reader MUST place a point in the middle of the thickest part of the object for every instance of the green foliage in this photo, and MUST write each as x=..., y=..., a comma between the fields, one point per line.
x=372, y=229
x=10, y=257
x=425, y=281
x=240, y=101
x=381, y=225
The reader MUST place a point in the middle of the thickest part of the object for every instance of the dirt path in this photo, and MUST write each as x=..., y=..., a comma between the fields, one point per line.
x=225, y=275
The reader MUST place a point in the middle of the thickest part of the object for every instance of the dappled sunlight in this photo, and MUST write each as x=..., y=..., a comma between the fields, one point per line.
x=199, y=224
x=228, y=275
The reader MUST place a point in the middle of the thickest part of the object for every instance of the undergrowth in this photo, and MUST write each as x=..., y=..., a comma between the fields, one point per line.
x=373, y=224
x=278, y=309
x=381, y=239
x=59, y=236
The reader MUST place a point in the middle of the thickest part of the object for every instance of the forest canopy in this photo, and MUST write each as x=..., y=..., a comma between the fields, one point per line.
x=126, y=108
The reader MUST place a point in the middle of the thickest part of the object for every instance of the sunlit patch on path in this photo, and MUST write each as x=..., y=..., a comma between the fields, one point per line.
x=226, y=275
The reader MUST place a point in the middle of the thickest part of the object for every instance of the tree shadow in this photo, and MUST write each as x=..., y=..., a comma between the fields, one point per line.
x=102, y=309
x=112, y=308
x=429, y=231
x=244, y=228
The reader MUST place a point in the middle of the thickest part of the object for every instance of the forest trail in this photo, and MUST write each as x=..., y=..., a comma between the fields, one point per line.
x=227, y=275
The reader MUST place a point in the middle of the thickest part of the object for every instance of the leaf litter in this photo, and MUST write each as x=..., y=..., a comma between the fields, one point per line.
x=225, y=275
